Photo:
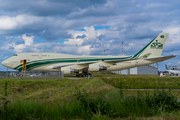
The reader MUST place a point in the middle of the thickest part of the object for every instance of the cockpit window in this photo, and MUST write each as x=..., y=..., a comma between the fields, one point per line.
x=15, y=55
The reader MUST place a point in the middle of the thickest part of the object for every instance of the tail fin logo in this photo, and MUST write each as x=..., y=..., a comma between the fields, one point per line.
x=156, y=45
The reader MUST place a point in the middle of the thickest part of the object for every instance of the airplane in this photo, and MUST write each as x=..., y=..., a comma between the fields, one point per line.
x=172, y=71
x=83, y=65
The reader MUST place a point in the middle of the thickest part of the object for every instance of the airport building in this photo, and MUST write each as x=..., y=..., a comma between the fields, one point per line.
x=141, y=70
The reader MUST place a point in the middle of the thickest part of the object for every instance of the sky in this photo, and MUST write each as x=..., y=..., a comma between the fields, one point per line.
x=88, y=27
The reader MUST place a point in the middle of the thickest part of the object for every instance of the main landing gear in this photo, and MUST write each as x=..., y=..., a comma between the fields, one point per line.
x=85, y=75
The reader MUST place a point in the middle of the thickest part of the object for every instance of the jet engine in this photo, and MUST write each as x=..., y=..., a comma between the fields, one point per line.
x=96, y=67
x=66, y=70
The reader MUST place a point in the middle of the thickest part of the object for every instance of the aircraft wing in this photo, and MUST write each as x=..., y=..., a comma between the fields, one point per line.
x=162, y=58
x=86, y=64
x=79, y=64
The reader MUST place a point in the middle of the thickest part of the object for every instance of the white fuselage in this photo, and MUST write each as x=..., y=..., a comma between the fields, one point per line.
x=46, y=61
x=173, y=71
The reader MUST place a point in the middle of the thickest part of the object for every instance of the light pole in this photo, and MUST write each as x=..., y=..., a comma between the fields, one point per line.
x=122, y=48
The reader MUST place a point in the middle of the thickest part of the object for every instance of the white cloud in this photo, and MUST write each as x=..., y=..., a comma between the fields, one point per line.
x=90, y=32
x=84, y=50
x=91, y=36
x=7, y=23
x=82, y=46
x=10, y=23
x=18, y=48
x=174, y=34
x=28, y=40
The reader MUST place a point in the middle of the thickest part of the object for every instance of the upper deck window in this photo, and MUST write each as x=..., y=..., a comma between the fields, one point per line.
x=15, y=55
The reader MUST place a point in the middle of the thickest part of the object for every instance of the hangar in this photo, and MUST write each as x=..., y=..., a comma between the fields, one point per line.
x=142, y=70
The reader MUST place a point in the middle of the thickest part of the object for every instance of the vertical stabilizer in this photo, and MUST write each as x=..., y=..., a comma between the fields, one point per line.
x=155, y=47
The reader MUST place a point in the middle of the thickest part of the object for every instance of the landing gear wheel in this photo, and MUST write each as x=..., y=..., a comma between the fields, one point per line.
x=79, y=75
x=85, y=75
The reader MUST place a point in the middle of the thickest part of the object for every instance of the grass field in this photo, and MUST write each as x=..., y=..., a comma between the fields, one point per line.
x=107, y=96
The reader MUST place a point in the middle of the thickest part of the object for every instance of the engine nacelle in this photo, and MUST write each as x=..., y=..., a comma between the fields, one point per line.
x=95, y=67
x=66, y=70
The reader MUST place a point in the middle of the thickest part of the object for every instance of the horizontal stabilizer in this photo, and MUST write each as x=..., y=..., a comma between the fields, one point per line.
x=162, y=58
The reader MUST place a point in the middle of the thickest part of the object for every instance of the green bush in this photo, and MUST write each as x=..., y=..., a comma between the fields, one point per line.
x=114, y=104
x=143, y=105
x=91, y=106
x=164, y=100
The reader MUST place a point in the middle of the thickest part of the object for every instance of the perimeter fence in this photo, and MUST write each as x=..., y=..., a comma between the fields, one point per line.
x=31, y=75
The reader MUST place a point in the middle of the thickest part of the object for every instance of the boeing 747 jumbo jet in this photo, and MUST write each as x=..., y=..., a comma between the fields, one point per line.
x=82, y=65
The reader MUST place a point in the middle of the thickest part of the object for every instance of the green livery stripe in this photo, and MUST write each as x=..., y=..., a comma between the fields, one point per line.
x=141, y=51
x=34, y=64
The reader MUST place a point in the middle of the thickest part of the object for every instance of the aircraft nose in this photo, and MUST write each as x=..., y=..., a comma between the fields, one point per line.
x=5, y=63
